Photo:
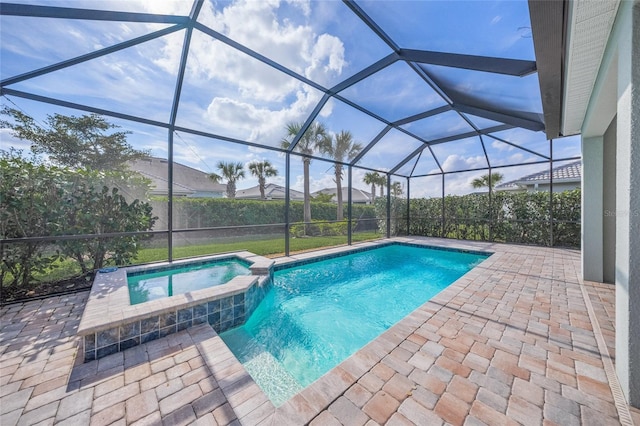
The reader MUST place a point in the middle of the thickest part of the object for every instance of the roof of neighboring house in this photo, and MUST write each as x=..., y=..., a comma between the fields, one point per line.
x=357, y=195
x=186, y=180
x=271, y=192
x=571, y=172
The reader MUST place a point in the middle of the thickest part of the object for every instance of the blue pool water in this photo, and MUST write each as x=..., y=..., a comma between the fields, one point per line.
x=316, y=315
x=150, y=285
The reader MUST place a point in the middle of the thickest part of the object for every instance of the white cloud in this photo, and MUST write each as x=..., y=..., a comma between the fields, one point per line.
x=244, y=120
x=7, y=141
x=496, y=19
x=259, y=99
x=517, y=158
x=327, y=58
x=456, y=162
x=501, y=146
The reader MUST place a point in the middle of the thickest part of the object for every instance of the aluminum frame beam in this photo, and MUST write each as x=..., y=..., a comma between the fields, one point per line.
x=548, y=27
x=35, y=11
x=513, y=67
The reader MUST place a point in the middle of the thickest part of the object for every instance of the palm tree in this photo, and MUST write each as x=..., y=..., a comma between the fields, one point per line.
x=372, y=178
x=382, y=184
x=262, y=170
x=396, y=189
x=230, y=171
x=483, y=181
x=341, y=148
x=315, y=135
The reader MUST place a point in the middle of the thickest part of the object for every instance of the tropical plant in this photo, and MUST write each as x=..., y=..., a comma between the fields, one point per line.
x=74, y=141
x=396, y=189
x=382, y=184
x=372, y=178
x=315, y=136
x=323, y=198
x=230, y=171
x=483, y=181
x=341, y=148
x=262, y=170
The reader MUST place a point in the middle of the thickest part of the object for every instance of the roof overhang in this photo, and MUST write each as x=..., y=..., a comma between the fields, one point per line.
x=590, y=24
x=569, y=38
x=548, y=30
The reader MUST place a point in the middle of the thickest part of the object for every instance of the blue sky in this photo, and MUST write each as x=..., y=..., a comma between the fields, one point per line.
x=231, y=94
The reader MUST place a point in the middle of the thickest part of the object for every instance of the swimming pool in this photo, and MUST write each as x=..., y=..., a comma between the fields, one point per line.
x=316, y=315
x=158, y=283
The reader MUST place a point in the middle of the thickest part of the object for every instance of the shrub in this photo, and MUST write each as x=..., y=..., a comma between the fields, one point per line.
x=522, y=217
x=39, y=200
x=189, y=213
x=30, y=207
x=318, y=228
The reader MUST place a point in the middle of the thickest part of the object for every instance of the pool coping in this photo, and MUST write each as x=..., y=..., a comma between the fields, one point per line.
x=108, y=307
x=313, y=399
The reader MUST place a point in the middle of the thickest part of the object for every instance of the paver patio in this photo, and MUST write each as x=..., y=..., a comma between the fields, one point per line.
x=520, y=339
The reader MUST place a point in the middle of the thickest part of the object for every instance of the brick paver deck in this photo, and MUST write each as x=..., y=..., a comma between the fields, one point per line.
x=518, y=340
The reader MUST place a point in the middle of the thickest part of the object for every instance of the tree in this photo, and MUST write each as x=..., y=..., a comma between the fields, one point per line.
x=396, y=189
x=372, y=178
x=341, y=148
x=40, y=200
x=483, y=181
x=262, y=170
x=232, y=172
x=323, y=198
x=315, y=135
x=382, y=184
x=100, y=210
x=30, y=195
x=75, y=141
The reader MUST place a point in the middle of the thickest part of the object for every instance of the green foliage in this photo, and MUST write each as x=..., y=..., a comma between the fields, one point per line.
x=319, y=228
x=74, y=141
x=513, y=217
x=262, y=170
x=102, y=211
x=39, y=200
x=30, y=207
x=217, y=212
x=372, y=178
x=232, y=172
x=315, y=136
x=397, y=222
x=260, y=246
x=323, y=198
x=483, y=181
x=341, y=147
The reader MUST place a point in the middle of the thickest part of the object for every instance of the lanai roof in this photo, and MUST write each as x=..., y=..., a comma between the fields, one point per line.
x=424, y=87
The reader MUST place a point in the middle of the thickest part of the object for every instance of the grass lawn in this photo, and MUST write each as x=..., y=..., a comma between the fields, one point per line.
x=64, y=269
x=265, y=247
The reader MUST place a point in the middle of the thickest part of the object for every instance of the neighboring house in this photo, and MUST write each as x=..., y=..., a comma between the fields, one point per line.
x=187, y=181
x=271, y=192
x=565, y=177
x=358, y=196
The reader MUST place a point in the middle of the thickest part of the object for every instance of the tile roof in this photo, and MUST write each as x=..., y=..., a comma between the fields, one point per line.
x=571, y=172
x=186, y=180
x=272, y=191
x=357, y=195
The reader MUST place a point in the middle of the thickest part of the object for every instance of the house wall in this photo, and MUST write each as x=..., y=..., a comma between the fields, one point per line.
x=609, y=205
x=617, y=94
x=557, y=186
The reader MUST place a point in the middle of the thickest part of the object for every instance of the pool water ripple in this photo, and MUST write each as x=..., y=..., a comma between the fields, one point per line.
x=318, y=314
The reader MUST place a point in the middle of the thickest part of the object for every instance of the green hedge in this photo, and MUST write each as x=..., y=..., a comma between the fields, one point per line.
x=217, y=212
x=521, y=217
